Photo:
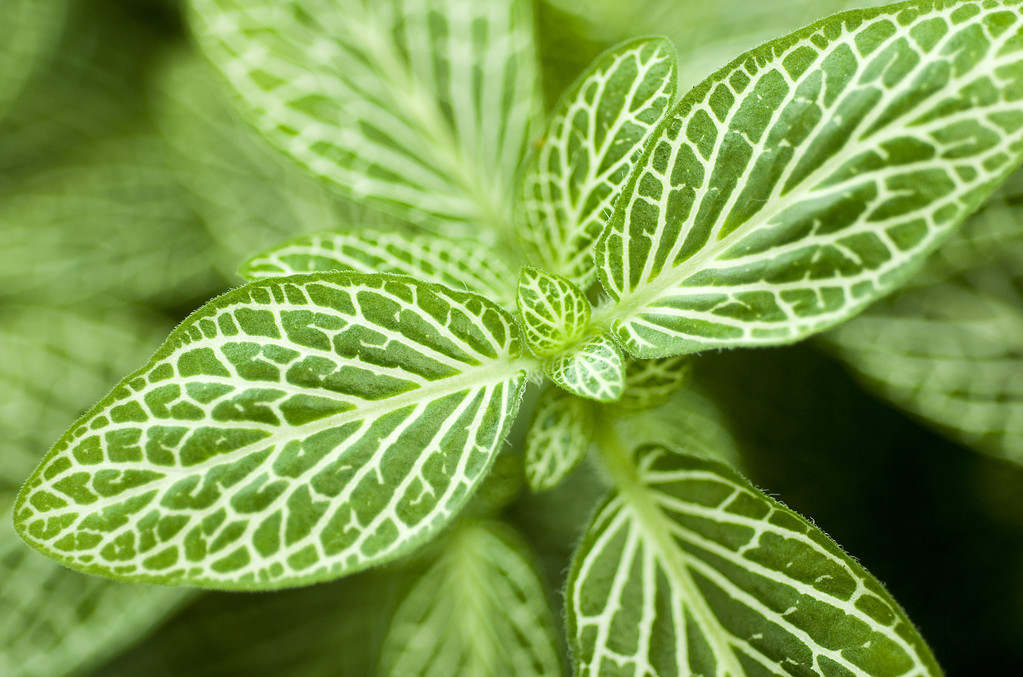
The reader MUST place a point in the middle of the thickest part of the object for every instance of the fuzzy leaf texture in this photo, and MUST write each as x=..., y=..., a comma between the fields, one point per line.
x=598, y=127
x=291, y=431
x=480, y=609
x=690, y=570
x=421, y=107
x=554, y=311
x=423, y=256
x=594, y=369
x=813, y=175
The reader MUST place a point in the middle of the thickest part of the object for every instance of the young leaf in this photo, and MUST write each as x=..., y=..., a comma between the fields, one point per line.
x=691, y=570
x=594, y=369
x=598, y=126
x=479, y=610
x=425, y=257
x=813, y=175
x=421, y=107
x=554, y=311
x=293, y=430
x=559, y=436
x=650, y=383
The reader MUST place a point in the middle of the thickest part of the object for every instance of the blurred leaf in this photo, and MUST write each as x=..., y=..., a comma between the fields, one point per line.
x=54, y=621
x=29, y=32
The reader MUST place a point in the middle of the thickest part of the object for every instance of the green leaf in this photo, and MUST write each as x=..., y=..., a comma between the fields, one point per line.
x=812, y=176
x=292, y=431
x=558, y=437
x=29, y=32
x=691, y=570
x=250, y=195
x=54, y=621
x=480, y=610
x=424, y=108
x=598, y=126
x=951, y=354
x=650, y=383
x=426, y=257
x=555, y=313
x=594, y=369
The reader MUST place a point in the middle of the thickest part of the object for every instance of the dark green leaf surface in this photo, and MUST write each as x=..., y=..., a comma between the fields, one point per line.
x=690, y=570
x=813, y=175
x=292, y=431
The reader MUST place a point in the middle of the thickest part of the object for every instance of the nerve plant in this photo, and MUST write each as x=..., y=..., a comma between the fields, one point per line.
x=348, y=405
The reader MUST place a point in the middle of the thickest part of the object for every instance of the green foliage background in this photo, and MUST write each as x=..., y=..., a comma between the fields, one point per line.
x=97, y=215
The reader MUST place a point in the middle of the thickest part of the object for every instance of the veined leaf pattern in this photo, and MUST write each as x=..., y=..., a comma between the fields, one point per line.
x=555, y=313
x=952, y=354
x=558, y=438
x=421, y=106
x=813, y=175
x=594, y=369
x=480, y=609
x=650, y=383
x=596, y=130
x=293, y=430
x=422, y=256
x=690, y=570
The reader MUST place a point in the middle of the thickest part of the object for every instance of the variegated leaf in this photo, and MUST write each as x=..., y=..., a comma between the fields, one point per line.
x=598, y=127
x=554, y=311
x=689, y=570
x=813, y=175
x=558, y=437
x=480, y=609
x=649, y=383
x=425, y=257
x=594, y=369
x=423, y=107
x=293, y=430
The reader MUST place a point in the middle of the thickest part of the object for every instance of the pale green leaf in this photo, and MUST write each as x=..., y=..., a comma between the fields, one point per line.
x=690, y=570
x=649, y=383
x=480, y=609
x=558, y=437
x=293, y=430
x=29, y=31
x=594, y=369
x=425, y=257
x=951, y=354
x=110, y=224
x=598, y=127
x=54, y=621
x=422, y=107
x=813, y=175
x=250, y=195
x=555, y=312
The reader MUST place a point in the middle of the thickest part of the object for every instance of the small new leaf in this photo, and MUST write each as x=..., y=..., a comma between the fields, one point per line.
x=558, y=437
x=594, y=369
x=555, y=313
x=425, y=257
x=480, y=609
x=291, y=431
x=596, y=130
x=689, y=570
x=813, y=175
